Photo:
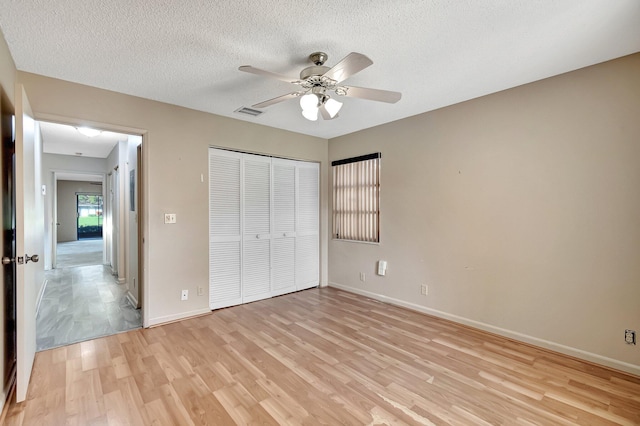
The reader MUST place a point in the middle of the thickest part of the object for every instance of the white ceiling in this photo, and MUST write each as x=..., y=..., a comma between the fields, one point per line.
x=436, y=52
x=66, y=140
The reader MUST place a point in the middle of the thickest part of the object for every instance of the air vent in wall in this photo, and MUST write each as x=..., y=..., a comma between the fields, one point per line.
x=249, y=111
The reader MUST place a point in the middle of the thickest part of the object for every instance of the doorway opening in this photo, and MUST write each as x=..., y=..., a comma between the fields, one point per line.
x=91, y=253
x=89, y=216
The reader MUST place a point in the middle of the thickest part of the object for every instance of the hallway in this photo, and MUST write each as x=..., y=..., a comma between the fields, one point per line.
x=79, y=253
x=82, y=302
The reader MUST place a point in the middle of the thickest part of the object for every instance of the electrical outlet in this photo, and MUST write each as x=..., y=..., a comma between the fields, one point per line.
x=424, y=289
x=200, y=290
x=630, y=337
x=363, y=278
x=184, y=295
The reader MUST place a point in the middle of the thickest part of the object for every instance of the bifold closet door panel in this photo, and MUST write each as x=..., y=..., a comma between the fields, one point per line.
x=225, y=256
x=256, y=265
x=284, y=226
x=263, y=227
x=225, y=269
x=307, y=225
x=307, y=270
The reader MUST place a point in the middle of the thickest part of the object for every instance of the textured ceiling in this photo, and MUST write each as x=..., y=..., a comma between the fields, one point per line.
x=436, y=52
x=66, y=140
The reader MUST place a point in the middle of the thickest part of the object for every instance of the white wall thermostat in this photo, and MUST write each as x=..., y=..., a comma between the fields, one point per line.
x=382, y=267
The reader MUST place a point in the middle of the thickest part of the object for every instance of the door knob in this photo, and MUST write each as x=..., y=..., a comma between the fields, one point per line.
x=33, y=258
x=7, y=260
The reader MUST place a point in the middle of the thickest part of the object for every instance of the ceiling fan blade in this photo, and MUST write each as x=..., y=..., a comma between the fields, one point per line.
x=348, y=66
x=258, y=71
x=373, y=94
x=278, y=100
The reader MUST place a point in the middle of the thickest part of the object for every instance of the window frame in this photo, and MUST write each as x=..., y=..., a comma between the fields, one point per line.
x=356, y=199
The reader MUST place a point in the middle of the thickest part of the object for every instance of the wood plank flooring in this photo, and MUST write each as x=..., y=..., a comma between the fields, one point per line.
x=316, y=357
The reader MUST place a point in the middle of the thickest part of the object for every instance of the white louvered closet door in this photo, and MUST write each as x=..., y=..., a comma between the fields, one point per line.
x=225, y=245
x=307, y=225
x=284, y=226
x=263, y=227
x=256, y=282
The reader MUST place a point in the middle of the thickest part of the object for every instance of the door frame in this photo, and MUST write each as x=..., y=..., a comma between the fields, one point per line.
x=70, y=175
x=143, y=191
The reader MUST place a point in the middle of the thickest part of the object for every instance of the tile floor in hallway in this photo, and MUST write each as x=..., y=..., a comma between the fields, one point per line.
x=82, y=303
x=79, y=253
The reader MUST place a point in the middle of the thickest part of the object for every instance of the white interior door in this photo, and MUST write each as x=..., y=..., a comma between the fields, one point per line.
x=28, y=240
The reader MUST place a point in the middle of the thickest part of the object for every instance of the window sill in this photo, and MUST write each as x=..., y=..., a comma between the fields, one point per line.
x=374, y=243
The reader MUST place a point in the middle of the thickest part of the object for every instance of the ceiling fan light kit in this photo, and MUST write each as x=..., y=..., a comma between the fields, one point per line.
x=309, y=101
x=332, y=106
x=316, y=101
x=316, y=80
x=310, y=114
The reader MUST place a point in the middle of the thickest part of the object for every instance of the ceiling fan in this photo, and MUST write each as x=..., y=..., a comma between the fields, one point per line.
x=316, y=81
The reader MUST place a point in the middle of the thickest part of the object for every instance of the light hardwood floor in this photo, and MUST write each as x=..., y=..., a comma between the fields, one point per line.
x=319, y=357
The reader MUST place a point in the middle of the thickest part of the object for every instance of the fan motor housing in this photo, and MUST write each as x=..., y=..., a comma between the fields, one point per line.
x=316, y=70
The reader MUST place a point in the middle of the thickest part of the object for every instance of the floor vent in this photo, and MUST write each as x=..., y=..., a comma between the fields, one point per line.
x=249, y=111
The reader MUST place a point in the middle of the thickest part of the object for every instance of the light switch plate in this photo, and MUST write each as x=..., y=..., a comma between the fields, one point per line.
x=169, y=218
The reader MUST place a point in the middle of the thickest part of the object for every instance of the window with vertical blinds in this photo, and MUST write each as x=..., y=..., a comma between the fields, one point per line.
x=356, y=198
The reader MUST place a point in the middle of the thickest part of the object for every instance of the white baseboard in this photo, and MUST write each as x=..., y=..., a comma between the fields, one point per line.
x=176, y=317
x=133, y=301
x=556, y=347
x=115, y=274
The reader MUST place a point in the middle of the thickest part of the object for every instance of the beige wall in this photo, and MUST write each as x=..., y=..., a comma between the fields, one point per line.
x=7, y=83
x=7, y=70
x=67, y=207
x=520, y=210
x=175, y=147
